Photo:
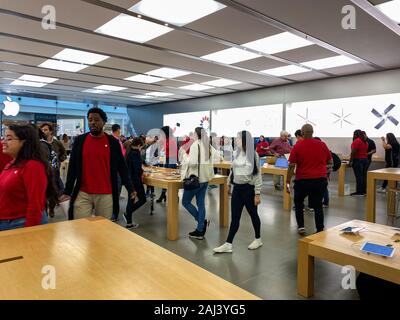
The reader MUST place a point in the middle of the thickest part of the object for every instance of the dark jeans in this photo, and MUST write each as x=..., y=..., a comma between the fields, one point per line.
x=119, y=182
x=132, y=207
x=199, y=213
x=314, y=189
x=243, y=196
x=360, y=167
x=388, y=165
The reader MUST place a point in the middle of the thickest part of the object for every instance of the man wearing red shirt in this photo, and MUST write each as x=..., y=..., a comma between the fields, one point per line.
x=311, y=158
x=95, y=162
x=4, y=158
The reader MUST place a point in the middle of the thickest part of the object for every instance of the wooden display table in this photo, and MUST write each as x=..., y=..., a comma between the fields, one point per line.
x=390, y=174
x=96, y=259
x=344, y=249
x=170, y=180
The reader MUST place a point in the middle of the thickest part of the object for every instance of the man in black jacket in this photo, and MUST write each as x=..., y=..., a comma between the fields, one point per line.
x=95, y=162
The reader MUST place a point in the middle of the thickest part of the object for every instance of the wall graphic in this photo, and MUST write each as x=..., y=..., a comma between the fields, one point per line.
x=184, y=123
x=377, y=115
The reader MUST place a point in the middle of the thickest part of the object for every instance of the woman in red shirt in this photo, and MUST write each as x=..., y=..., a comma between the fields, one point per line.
x=24, y=186
x=262, y=147
x=359, y=162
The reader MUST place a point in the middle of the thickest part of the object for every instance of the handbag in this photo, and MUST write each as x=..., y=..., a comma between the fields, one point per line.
x=193, y=182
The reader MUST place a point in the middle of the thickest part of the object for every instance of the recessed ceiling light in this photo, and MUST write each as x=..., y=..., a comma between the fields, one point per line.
x=32, y=81
x=278, y=43
x=132, y=28
x=331, y=62
x=80, y=56
x=141, y=97
x=144, y=78
x=168, y=73
x=231, y=55
x=97, y=91
x=196, y=87
x=390, y=9
x=28, y=77
x=286, y=70
x=62, y=65
x=220, y=83
x=178, y=12
x=110, y=88
x=159, y=94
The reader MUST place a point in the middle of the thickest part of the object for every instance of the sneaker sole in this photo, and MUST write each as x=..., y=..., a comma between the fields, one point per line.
x=196, y=237
x=255, y=248
x=229, y=251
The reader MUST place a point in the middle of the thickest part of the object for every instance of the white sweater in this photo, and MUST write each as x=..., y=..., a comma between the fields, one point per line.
x=243, y=171
x=190, y=162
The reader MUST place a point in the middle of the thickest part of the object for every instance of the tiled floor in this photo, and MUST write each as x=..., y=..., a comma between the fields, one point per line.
x=268, y=272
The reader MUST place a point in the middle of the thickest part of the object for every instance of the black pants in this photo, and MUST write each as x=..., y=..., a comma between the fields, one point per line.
x=314, y=189
x=360, y=167
x=132, y=207
x=389, y=165
x=243, y=196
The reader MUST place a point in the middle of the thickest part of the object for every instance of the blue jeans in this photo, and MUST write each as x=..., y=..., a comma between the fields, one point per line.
x=19, y=223
x=198, y=213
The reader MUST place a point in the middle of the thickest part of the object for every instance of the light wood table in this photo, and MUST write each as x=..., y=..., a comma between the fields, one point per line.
x=266, y=169
x=96, y=259
x=390, y=174
x=165, y=178
x=344, y=249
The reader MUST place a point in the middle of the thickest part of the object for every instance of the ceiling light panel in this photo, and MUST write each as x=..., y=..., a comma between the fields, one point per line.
x=110, y=88
x=331, y=62
x=230, y=56
x=177, y=12
x=159, y=94
x=132, y=28
x=168, y=73
x=220, y=83
x=144, y=78
x=278, y=43
x=97, y=91
x=390, y=9
x=196, y=87
x=284, y=71
x=62, y=65
x=27, y=83
x=28, y=77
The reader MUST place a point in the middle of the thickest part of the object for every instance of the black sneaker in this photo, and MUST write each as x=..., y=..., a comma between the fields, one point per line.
x=197, y=235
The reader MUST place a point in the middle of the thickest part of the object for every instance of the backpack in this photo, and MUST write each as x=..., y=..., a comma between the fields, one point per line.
x=336, y=161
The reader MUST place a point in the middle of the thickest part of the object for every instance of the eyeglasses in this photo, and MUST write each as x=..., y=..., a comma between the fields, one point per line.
x=10, y=139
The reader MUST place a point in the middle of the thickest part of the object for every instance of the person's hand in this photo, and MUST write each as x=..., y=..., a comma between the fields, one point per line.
x=288, y=187
x=133, y=195
x=257, y=200
x=64, y=197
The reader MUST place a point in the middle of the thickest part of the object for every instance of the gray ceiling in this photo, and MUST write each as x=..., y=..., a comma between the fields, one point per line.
x=25, y=45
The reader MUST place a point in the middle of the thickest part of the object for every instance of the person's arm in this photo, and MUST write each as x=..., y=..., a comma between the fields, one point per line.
x=62, y=153
x=290, y=174
x=35, y=182
x=257, y=182
x=72, y=169
x=385, y=145
x=122, y=168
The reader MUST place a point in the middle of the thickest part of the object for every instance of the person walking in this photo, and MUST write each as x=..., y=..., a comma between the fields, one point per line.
x=310, y=157
x=359, y=162
x=247, y=182
x=391, y=147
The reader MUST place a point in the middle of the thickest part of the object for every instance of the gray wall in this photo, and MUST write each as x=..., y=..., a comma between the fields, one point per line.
x=151, y=116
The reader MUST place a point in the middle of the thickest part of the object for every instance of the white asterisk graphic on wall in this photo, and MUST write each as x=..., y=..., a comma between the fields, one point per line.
x=306, y=118
x=341, y=118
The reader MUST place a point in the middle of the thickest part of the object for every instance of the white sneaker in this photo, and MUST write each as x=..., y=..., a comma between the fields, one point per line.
x=255, y=244
x=381, y=190
x=226, y=247
x=301, y=230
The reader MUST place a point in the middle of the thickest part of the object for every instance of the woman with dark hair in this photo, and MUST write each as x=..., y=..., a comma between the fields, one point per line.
x=168, y=154
x=391, y=147
x=198, y=162
x=262, y=147
x=247, y=182
x=25, y=183
x=359, y=162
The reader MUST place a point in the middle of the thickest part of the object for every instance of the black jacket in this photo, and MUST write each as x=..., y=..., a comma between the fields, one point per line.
x=134, y=162
x=117, y=166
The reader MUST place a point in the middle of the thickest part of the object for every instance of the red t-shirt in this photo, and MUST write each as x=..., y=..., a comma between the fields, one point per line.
x=171, y=150
x=23, y=192
x=311, y=157
x=96, y=175
x=262, y=144
x=4, y=158
x=361, y=148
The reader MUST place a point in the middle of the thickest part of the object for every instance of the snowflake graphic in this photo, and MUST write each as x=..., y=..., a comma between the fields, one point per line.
x=341, y=118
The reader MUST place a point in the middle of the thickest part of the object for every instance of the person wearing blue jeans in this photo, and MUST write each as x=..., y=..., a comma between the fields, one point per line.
x=198, y=213
x=19, y=223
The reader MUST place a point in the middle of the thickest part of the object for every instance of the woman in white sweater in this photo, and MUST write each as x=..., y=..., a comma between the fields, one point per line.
x=205, y=171
x=247, y=182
